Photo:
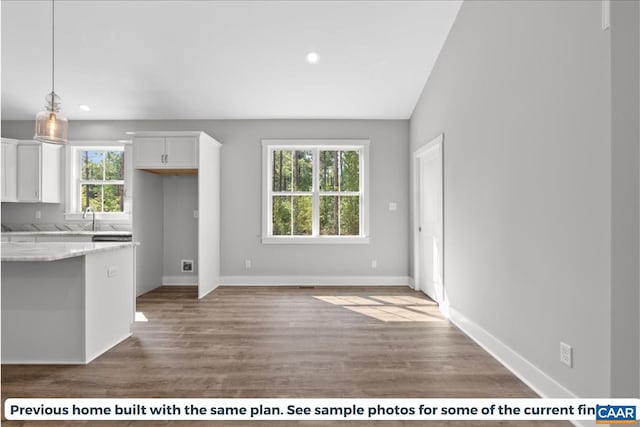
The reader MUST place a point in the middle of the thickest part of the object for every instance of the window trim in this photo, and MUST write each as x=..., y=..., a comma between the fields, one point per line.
x=268, y=145
x=72, y=180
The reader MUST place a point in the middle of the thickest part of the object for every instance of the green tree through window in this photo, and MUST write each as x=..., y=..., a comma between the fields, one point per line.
x=315, y=191
x=101, y=180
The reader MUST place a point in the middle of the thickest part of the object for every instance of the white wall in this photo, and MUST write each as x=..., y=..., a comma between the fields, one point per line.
x=522, y=93
x=241, y=192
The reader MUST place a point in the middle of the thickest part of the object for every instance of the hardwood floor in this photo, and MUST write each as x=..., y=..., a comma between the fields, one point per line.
x=281, y=342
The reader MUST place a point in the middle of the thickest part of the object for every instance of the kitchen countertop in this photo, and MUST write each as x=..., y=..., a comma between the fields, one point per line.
x=67, y=233
x=53, y=251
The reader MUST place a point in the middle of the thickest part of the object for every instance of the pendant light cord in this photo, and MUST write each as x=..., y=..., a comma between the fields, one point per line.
x=53, y=48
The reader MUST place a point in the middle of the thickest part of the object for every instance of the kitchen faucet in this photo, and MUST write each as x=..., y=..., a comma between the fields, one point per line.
x=93, y=213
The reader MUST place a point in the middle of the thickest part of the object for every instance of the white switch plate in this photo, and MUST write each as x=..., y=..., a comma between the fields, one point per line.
x=247, y=263
x=195, y=213
x=374, y=263
x=38, y=214
x=393, y=206
x=566, y=354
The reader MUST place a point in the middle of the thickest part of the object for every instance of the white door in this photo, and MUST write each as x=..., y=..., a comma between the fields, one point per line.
x=428, y=224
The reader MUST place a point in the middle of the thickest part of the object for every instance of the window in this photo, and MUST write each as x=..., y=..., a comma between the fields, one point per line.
x=315, y=191
x=97, y=179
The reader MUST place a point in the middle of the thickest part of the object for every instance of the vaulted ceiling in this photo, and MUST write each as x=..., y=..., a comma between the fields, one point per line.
x=188, y=59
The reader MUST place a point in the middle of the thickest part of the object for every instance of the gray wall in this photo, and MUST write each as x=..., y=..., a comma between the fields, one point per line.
x=522, y=92
x=625, y=316
x=180, y=227
x=241, y=192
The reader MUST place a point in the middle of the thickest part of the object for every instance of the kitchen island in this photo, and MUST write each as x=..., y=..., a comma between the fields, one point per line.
x=65, y=302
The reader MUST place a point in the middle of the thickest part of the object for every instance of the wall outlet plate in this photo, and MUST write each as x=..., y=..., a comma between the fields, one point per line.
x=247, y=263
x=186, y=265
x=566, y=354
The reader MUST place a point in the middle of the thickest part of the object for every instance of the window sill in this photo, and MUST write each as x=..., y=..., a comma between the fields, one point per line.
x=321, y=240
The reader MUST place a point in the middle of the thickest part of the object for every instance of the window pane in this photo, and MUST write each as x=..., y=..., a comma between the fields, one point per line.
x=302, y=216
x=114, y=165
x=113, y=200
x=281, y=170
x=329, y=207
x=302, y=170
x=91, y=165
x=339, y=171
x=329, y=171
x=91, y=195
x=292, y=215
x=339, y=215
x=281, y=215
x=292, y=170
x=349, y=215
x=349, y=171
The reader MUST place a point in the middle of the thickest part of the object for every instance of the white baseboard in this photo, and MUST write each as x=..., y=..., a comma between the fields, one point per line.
x=535, y=378
x=314, y=280
x=179, y=280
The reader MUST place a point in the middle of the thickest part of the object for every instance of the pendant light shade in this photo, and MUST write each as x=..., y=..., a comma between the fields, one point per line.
x=51, y=125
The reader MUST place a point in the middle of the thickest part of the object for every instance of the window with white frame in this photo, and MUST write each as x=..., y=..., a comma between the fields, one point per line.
x=97, y=180
x=315, y=191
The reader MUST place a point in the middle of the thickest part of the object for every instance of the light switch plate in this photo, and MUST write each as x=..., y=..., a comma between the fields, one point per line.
x=393, y=206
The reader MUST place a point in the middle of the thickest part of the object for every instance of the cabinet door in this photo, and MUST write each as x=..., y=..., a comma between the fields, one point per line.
x=181, y=152
x=50, y=174
x=9, y=172
x=148, y=153
x=28, y=173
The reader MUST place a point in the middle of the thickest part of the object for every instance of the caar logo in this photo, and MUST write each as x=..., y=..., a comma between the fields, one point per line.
x=610, y=414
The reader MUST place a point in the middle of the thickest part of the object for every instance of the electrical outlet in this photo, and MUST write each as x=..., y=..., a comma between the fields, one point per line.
x=247, y=263
x=566, y=354
x=393, y=206
x=195, y=213
x=374, y=263
x=38, y=214
x=186, y=265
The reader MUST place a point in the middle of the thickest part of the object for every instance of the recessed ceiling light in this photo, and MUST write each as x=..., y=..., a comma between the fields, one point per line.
x=312, y=57
x=85, y=107
x=129, y=132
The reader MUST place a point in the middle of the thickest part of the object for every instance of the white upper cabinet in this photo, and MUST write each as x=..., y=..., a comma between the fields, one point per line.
x=168, y=152
x=9, y=170
x=39, y=172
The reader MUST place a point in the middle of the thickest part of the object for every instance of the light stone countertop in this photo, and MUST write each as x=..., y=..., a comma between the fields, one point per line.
x=53, y=251
x=67, y=233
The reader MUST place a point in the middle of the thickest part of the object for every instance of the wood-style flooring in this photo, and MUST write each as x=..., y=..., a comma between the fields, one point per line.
x=359, y=342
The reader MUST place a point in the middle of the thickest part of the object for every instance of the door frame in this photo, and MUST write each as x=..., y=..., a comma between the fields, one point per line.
x=436, y=143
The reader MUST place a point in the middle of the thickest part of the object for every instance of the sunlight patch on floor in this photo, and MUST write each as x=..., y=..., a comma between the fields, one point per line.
x=348, y=300
x=388, y=308
x=140, y=317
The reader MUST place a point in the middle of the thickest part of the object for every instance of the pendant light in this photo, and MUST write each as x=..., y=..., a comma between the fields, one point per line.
x=51, y=125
